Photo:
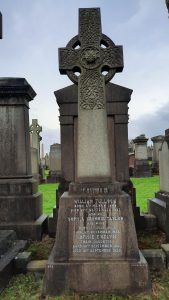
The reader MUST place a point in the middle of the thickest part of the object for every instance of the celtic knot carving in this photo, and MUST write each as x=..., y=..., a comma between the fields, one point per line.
x=92, y=91
x=90, y=26
x=90, y=57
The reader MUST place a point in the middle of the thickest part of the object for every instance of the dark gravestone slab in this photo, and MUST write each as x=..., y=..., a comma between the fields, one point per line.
x=20, y=201
x=0, y=25
x=96, y=245
x=9, y=248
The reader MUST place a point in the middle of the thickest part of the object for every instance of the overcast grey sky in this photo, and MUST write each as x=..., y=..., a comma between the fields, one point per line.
x=33, y=30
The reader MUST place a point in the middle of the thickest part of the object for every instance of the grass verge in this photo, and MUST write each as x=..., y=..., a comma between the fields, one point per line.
x=145, y=189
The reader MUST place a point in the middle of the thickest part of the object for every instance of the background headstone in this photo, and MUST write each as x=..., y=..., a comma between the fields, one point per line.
x=47, y=163
x=157, y=142
x=54, y=163
x=35, y=138
x=20, y=201
x=159, y=206
x=142, y=167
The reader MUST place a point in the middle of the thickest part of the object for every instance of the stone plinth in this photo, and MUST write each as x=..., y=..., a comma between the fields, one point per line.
x=20, y=201
x=96, y=245
x=157, y=143
x=159, y=206
x=141, y=166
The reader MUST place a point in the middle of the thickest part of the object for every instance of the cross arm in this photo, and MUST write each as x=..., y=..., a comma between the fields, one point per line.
x=113, y=58
x=68, y=59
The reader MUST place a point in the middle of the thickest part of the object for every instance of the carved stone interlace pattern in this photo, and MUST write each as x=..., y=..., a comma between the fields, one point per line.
x=91, y=91
x=68, y=58
x=113, y=57
x=90, y=57
x=90, y=25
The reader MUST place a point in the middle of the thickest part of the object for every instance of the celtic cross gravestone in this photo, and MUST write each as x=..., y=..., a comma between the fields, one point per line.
x=91, y=59
x=96, y=248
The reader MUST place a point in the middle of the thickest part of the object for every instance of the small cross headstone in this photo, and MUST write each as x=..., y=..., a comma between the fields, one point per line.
x=35, y=130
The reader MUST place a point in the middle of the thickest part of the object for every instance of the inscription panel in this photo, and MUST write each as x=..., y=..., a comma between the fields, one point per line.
x=98, y=226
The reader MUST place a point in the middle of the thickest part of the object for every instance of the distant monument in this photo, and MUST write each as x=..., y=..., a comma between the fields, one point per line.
x=96, y=248
x=157, y=143
x=159, y=205
x=54, y=163
x=141, y=164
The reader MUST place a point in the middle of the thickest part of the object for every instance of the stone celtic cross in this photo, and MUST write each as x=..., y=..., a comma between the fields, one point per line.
x=91, y=53
x=35, y=127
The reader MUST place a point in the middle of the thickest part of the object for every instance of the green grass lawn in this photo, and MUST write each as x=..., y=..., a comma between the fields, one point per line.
x=49, y=196
x=145, y=189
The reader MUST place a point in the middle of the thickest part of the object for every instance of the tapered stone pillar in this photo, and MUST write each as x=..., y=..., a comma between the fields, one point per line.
x=20, y=201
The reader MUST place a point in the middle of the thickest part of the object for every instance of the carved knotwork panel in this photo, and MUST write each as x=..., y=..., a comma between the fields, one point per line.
x=91, y=85
x=90, y=26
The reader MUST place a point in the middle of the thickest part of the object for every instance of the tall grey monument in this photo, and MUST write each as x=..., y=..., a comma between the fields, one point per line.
x=96, y=248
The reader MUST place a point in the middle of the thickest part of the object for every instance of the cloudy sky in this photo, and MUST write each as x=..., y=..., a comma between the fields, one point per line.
x=33, y=30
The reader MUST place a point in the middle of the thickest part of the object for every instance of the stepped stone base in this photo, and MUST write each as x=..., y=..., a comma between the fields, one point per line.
x=28, y=230
x=21, y=208
x=96, y=246
x=113, y=277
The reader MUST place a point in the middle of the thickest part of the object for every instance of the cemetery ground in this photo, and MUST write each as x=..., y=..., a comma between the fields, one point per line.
x=28, y=286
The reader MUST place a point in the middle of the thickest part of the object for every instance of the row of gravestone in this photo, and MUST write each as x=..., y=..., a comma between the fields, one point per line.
x=143, y=160
x=96, y=247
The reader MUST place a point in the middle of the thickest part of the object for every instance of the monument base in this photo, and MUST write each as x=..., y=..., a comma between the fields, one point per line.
x=28, y=230
x=96, y=247
x=111, y=277
x=21, y=208
x=159, y=207
x=142, y=169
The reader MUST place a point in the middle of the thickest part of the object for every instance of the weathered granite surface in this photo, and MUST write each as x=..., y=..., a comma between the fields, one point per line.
x=20, y=201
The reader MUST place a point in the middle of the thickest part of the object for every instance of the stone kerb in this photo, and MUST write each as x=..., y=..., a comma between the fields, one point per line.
x=20, y=201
